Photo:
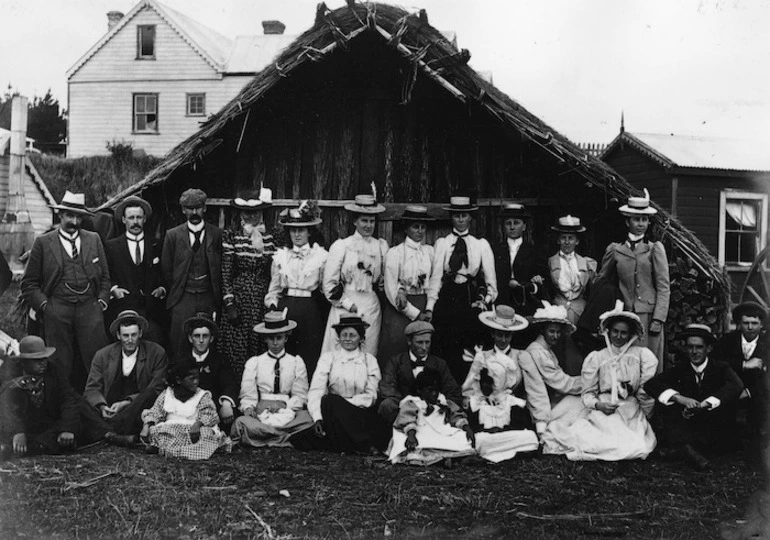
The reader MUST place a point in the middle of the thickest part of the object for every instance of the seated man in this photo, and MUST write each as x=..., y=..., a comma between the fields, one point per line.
x=700, y=399
x=125, y=379
x=398, y=376
x=38, y=407
x=747, y=351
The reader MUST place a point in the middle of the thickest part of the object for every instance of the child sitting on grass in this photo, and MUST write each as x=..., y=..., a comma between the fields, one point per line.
x=183, y=422
x=429, y=428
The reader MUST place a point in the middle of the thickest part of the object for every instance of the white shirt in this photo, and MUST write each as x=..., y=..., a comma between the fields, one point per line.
x=513, y=249
x=569, y=276
x=357, y=263
x=353, y=375
x=296, y=268
x=416, y=370
x=666, y=395
x=200, y=358
x=480, y=257
x=132, y=240
x=258, y=381
x=748, y=347
x=408, y=267
x=194, y=229
x=68, y=245
x=129, y=362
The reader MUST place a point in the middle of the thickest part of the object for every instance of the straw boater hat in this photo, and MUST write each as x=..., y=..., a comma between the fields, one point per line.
x=514, y=210
x=568, y=224
x=638, y=206
x=299, y=217
x=503, y=318
x=751, y=309
x=414, y=213
x=253, y=200
x=351, y=322
x=130, y=316
x=365, y=204
x=73, y=202
x=618, y=313
x=460, y=204
x=33, y=348
x=552, y=314
x=201, y=319
x=132, y=201
x=697, y=330
x=275, y=322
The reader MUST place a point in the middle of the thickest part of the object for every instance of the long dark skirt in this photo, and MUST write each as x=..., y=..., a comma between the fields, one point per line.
x=348, y=429
x=392, y=338
x=310, y=314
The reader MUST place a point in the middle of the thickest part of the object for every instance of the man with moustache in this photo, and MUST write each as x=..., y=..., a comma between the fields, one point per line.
x=191, y=263
x=134, y=262
x=67, y=283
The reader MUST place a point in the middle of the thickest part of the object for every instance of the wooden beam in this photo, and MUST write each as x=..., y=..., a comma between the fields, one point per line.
x=325, y=203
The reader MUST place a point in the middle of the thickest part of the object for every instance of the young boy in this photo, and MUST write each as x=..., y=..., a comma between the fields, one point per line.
x=38, y=408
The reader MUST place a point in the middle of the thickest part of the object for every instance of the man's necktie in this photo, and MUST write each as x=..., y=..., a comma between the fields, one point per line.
x=74, y=245
x=699, y=378
x=277, y=369
x=459, y=256
x=137, y=253
x=197, y=243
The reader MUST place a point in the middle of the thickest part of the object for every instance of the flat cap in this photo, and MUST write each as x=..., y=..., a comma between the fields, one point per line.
x=193, y=197
x=418, y=327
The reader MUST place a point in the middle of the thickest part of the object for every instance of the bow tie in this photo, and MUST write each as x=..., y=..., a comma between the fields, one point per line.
x=420, y=362
x=301, y=252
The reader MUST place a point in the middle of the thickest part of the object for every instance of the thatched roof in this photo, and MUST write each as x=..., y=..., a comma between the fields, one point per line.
x=410, y=35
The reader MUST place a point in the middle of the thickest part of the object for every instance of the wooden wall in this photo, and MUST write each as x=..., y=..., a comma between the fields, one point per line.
x=39, y=211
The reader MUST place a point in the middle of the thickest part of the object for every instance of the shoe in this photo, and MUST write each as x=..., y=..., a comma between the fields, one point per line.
x=120, y=440
x=696, y=458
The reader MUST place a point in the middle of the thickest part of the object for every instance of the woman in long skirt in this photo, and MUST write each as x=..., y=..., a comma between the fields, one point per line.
x=295, y=283
x=353, y=274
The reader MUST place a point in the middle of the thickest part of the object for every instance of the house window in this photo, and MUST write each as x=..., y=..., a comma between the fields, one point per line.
x=742, y=226
x=145, y=42
x=145, y=113
x=196, y=104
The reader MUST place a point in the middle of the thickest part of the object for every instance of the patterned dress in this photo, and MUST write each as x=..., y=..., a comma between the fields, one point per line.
x=246, y=276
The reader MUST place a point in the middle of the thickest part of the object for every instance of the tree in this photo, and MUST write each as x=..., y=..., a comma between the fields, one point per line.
x=46, y=122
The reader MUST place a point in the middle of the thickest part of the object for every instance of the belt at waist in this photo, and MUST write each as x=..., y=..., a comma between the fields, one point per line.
x=198, y=278
x=301, y=293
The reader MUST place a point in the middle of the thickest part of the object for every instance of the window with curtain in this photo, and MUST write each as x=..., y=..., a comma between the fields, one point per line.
x=743, y=219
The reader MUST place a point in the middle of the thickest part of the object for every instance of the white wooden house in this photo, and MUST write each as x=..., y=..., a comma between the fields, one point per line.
x=155, y=76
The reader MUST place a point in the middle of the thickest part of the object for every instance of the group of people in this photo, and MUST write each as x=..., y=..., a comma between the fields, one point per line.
x=424, y=353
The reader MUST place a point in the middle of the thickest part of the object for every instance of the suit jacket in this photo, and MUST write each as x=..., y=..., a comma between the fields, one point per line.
x=398, y=380
x=528, y=264
x=641, y=275
x=729, y=350
x=44, y=268
x=177, y=256
x=217, y=377
x=151, y=364
x=141, y=285
x=718, y=380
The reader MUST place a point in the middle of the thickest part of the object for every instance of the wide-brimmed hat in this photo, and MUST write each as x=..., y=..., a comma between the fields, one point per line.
x=201, y=319
x=275, y=322
x=697, y=330
x=131, y=201
x=73, y=202
x=353, y=321
x=365, y=204
x=552, y=314
x=33, y=348
x=415, y=212
x=568, y=224
x=302, y=216
x=460, y=204
x=415, y=328
x=503, y=318
x=638, y=206
x=253, y=200
x=751, y=309
x=192, y=198
x=618, y=313
x=125, y=316
x=514, y=210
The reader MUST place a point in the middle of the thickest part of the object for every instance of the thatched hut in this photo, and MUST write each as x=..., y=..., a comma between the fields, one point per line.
x=374, y=94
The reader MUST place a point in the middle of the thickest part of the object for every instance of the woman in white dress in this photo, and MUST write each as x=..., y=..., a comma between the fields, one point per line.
x=613, y=425
x=353, y=273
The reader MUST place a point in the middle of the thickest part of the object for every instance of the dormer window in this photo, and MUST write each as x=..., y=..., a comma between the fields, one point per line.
x=145, y=42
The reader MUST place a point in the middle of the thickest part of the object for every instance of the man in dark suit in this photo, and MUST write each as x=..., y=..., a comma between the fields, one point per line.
x=398, y=377
x=747, y=351
x=125, y=379
x=67, y=284
x=697, y=399
x=134, y=261
x=192, y=263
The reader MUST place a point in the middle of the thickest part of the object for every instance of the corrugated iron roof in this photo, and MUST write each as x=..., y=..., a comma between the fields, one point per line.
x=216, y=45
x=250, y=54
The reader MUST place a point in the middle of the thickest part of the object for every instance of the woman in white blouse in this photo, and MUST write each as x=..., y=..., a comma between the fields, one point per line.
x=342, y=396
x=353, y=273
x=295, y=284
x=408, y=289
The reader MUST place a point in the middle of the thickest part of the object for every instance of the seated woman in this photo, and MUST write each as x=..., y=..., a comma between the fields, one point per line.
x=273, y=389
x=429, y=428
x=551, y=393
x=494, y=393
x=342, y=396
x=613, y=425
x=183, y=422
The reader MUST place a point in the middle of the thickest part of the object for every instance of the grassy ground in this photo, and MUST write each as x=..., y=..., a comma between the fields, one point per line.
x=116, y=493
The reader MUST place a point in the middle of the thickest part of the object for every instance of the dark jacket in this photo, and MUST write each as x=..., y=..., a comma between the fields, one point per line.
x=528, y=264
x=177, y=256
x=398, y=379
x=729, y=350
x=139, y=284
x=718, y=380
x=217, y=377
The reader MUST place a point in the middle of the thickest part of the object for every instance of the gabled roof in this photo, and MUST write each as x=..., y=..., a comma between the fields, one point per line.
x=5, y=141
x=697, y=152
x=250, y=54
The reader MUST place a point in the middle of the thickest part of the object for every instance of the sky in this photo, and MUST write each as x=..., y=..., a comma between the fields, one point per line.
x=688, y=67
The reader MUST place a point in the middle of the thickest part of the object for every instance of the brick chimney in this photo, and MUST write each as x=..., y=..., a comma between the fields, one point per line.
x=273, y=27
x=113, y=18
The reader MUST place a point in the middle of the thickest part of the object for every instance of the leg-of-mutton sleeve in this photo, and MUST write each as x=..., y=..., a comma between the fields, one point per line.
x=662, y=282
x=207, y=411
x=274, y=290
x=319, y=386
x=367, y=398
x=156, y=413
x=590, y=376
x=408, y=413
x=608, y=272
x=538, y=402
x=249, y=395
x=299, y=387
x=488, y=267
x=228, y=266
x=332, y=277
x=437, y=272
